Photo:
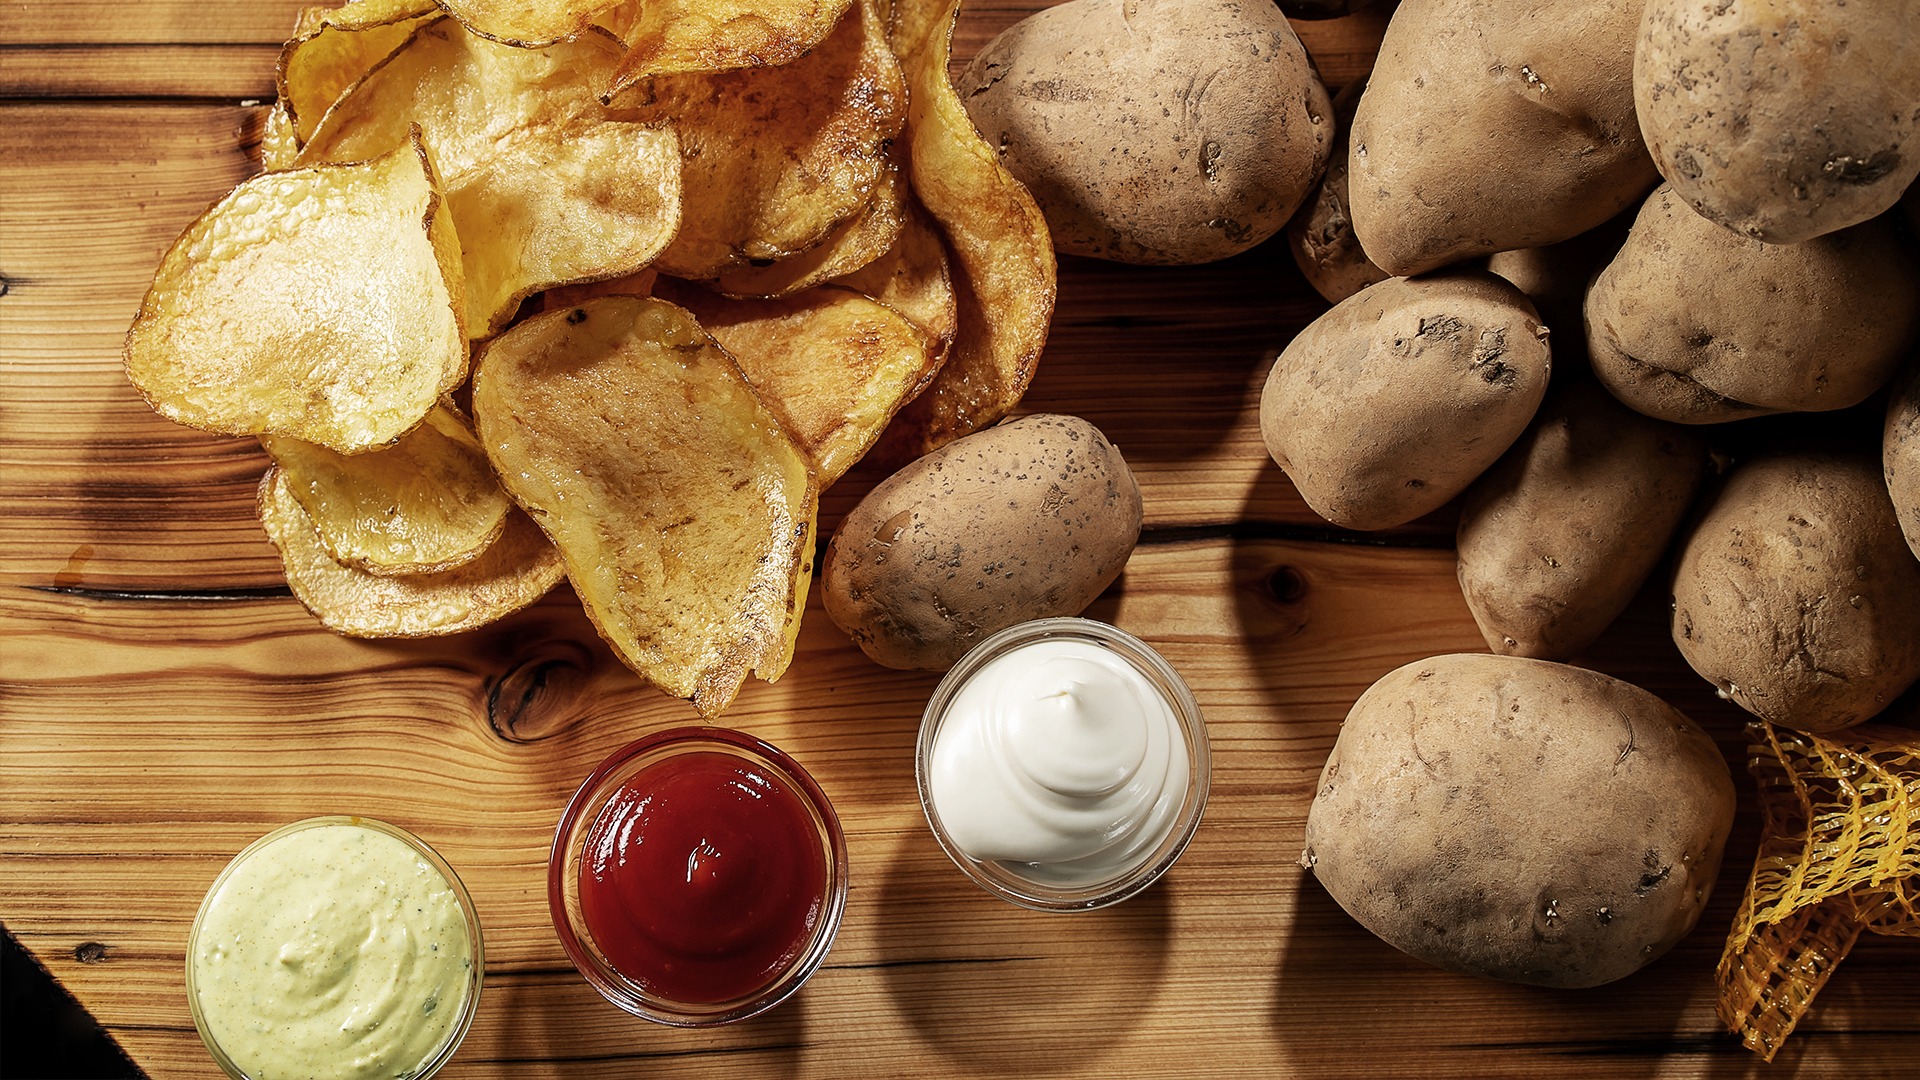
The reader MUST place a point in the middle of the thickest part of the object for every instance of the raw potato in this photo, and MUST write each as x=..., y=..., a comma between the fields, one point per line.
x=1155, y=131
x=1557, y=537
x=1026, y=520
x=1782, y=120
x=1520, y=819
x=1495, y=124
x=1695, y=324
x=1320, y=236
x=1900, y=454
x=1796, y=594
x=1397, y=399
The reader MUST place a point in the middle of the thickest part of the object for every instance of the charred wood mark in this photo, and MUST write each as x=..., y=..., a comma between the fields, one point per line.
x=263, y=592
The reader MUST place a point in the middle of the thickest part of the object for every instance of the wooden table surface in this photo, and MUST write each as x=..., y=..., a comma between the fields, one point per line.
x=165, y=701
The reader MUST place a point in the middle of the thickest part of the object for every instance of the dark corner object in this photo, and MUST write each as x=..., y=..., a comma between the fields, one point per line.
x=44, y=1033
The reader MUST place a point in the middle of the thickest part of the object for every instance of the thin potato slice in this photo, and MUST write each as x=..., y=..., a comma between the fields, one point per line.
x=775, y=158
x=427, y=503
x=833, y=364
x=517, y=569
x=672, y=37
x=682, y=507
x=913, y=278
x=333, y=47
x=526, y=24
x=1005, y=283
x=545, y=187
x=639, y=283
x=278, y=147
x=853, y=244
x=321, y=303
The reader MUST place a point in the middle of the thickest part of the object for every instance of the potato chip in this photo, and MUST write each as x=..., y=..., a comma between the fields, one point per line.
x=545, y=187
x=321, y=303
x=682, y=507
x=1839, y=854
x=526, y=24
x=333, y=47
x=514, y=571
x=278, y=147
x=775, y=158
x=833, y=364
x=427, y=503
x=639, y=283
x=853, y=244
x=912, y=278
x=1005, y=281
x=672, y=37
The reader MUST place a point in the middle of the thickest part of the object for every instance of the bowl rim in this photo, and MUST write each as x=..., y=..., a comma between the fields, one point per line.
x=574, y=825
x=476, y=944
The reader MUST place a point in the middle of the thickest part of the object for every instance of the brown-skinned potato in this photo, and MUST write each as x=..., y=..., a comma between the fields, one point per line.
x=1520, y=819
x=1900, y=453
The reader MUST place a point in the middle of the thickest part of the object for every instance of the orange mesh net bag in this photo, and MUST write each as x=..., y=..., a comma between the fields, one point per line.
x=1839, y=854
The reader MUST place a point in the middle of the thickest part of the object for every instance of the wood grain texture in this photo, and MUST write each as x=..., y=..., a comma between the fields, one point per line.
x=163, y=701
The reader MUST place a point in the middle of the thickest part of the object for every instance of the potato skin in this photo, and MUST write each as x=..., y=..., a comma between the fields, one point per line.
x=1489, y=125
x=1558, y=536
x=1393, y=402
x=1025, y=520
x=1320, y=236
x=1695, y=324
x=1155, y=131
x=1900, y=453
x=1781, y=120
x=1520, y=819
x=1796, y=594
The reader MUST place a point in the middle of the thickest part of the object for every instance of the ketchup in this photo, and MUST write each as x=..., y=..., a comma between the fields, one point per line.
x=703, y=878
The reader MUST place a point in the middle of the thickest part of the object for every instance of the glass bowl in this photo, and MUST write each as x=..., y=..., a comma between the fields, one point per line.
x=1005, y=879
x=635, y=991
x=296, y=903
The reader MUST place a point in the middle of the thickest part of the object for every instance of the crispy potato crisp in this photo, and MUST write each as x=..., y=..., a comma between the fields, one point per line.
x=333, y=47
x=526, y=23
x=851, y=245
x=775, y=158
x=427, y=503
x=1005, y=280
x=278, y=147
x=545, y=186
x=912, y=278
x=322, y=304
x=833, y=364
x=672, y=37
x=515, y=570
x=683, y=508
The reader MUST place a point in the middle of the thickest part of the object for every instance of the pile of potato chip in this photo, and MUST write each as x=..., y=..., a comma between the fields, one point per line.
x=698, y=257
x=1839, y=854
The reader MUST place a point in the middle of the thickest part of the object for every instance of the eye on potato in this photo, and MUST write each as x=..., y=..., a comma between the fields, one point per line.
x=1154, y=131
x=1029, y=519
x=1796, y=594
x=1781, y=120
x=1696, y=324
x=1393, y=402
x=1520, y=819
x=1489, y=125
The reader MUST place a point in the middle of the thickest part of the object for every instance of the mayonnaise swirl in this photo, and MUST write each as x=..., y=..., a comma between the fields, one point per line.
x=1062, y=758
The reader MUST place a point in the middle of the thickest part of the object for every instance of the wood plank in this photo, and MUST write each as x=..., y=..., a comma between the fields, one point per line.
x=212, y=70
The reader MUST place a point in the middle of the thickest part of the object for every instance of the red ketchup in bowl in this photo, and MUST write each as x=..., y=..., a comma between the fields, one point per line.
x=701, y=877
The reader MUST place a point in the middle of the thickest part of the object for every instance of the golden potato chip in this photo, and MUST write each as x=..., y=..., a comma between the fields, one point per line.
x=775, y=158
x=545, y=187
x=912, y=278
x=333, y=47
x=852, y=244
x=320, y=303
x=833, y=364
x=526, y=24
x=673, y=37
x=639, y=283
x=1005, y=282
x=427, y=503
x=682, y=507
x=514, y=571
x=278, y=147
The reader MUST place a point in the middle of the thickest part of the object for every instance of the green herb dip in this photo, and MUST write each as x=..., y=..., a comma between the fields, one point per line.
x=331, y=952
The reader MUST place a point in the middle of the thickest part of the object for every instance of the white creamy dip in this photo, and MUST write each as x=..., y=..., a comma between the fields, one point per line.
x=333, y=952
x=1060, y=760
